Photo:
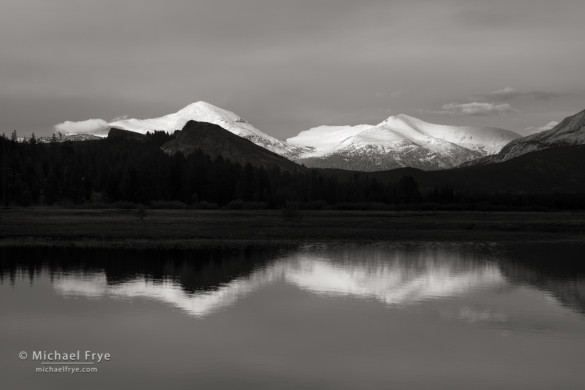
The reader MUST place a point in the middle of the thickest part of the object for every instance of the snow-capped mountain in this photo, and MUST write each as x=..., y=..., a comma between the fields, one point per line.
x=570, y=131
x=399, y=141
x=205, y=112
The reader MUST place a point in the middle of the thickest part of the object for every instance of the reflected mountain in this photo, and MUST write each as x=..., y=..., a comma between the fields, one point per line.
x=393, y=277
x=202, y=282
x=194, y=270
x=198, y=303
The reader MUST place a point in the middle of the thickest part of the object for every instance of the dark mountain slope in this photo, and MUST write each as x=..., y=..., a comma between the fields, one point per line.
x=118, y=134
x=215, y=141
x=560, y=169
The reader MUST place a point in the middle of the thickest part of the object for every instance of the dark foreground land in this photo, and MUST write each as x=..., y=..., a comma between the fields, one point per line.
x=192, y=228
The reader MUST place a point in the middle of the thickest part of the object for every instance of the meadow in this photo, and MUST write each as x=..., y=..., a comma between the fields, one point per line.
x=196, y=228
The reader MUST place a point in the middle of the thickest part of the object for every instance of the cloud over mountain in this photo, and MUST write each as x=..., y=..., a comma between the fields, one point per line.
x=91, y=126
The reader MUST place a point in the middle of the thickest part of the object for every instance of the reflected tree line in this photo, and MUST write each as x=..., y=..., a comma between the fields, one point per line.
x=195, y=270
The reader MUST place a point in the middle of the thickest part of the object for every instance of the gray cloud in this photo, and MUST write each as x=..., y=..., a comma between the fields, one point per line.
x=509, y=93
x=476, y=108
x=119, y=118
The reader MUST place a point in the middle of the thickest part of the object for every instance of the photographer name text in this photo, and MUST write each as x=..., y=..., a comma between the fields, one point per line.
x=75, y=356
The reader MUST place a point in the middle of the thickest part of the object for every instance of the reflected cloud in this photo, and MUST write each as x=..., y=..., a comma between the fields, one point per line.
x=76, y=284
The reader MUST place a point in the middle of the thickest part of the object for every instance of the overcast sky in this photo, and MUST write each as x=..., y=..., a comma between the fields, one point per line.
x=288, y=65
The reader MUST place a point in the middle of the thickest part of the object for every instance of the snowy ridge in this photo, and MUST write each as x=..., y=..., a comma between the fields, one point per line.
x=398, y=141
x=488, y=140
x=205, y=112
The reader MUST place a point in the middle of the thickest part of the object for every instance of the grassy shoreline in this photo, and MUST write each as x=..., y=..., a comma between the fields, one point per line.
x=184, y=229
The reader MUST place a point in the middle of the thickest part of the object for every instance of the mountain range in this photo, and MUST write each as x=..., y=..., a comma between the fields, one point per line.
x=554, y=165
x=399, y=141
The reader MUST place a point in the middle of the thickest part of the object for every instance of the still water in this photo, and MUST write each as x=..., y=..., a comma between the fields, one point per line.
x=356, y=316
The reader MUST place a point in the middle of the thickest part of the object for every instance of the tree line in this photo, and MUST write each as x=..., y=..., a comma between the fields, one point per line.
x=114, y=172
x=111, y=171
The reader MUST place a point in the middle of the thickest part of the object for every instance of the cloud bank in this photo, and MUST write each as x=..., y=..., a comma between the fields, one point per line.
x=91, y=126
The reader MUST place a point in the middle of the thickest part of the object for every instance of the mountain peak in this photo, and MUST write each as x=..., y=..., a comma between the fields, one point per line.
x=406, y=117
x=199, y=105
x=206, y=112
x=401, y=120
x=203, y=106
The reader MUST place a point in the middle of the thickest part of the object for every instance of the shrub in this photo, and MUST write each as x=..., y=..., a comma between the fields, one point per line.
x=315, y=205
x=167, y=204
x=236, y=204
x=204, y=205
x=255, y=206
x=291, y=211
x=125, y=205
x=141, y=212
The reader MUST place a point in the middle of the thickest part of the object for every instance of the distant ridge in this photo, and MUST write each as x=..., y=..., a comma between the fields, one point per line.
x=551, y=170
x=570, y=131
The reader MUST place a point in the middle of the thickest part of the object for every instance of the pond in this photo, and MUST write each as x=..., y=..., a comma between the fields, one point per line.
x=320, y=316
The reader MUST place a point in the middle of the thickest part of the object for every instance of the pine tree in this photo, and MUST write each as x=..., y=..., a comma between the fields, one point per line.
x=408, y=189
x=51, y=190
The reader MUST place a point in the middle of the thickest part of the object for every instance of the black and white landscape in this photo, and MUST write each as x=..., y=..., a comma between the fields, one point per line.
x=270, y=194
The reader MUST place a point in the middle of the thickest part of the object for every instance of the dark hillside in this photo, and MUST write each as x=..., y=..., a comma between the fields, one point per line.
x=215, y=141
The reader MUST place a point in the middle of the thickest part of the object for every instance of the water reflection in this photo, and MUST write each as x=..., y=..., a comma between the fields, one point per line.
x=391, y=280
x=167, y=290
x=202, y=282
x=425, y=316
x=558, y=270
